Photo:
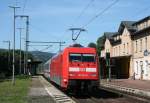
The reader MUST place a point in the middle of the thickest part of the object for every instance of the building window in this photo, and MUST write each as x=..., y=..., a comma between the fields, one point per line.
x=107, y=50
x=146, y=24
x=136, y=46
x=137, y=69
x=113, y=51
x=119, y=51
x=146, y=71
x=138, y=27
x=123, y=48
x=140, y=45
x=127, y=48
x=116, y=51
x=141, y=67
x=145, y=43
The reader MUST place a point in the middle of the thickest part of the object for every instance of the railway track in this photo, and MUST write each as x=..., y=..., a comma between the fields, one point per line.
x=102, y=96
x=98, y=96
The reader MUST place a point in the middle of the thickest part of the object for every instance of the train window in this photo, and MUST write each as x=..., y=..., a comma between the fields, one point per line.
x=88, y=58
x=75, y=57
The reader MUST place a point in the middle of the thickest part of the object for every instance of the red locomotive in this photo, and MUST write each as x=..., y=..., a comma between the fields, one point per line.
x=74, y=67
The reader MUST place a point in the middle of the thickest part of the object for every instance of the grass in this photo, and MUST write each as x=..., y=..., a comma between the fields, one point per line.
x=14, y=93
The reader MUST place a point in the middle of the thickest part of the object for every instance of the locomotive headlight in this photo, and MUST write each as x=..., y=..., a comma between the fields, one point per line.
x=71, y=74
x=65, y=80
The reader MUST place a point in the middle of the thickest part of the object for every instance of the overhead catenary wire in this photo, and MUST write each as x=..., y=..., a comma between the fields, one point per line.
x=141, y=11
x=83, y=11
x=97, y=15
x=38, y=45
x=46, y=48
x=100, y=13
x=33, y=47
x=78, y=17
x=38, y=29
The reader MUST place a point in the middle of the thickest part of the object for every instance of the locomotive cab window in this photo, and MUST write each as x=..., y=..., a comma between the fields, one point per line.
x=82, y=57
x=75, y=57
x=88, y=57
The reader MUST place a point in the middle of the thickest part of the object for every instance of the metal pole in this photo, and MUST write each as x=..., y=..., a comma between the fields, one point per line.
x=27, y=40
x=13, y=74
x=20, y=30
x=24, y=71
x=60, y=46
x=109, y=71
x=20, y=50
x=9, y=55
x=108, y=66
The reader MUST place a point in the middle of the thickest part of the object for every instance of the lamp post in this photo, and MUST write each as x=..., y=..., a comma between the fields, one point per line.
x=108, y=66
x=29, y=69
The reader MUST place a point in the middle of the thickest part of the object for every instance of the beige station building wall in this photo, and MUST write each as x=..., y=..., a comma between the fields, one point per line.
x=141, y=62
x=131, y=51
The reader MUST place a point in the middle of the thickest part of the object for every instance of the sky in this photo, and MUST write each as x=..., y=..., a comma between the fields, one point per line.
x=51, y=19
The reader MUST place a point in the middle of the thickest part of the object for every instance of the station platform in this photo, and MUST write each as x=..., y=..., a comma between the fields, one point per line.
x=139, y=88
x=42, y=91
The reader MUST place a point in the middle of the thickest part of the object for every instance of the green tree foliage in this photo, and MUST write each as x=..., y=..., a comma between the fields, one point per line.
x=100, y=44
x=76, y=45
x=92, y=45
x=6, y=64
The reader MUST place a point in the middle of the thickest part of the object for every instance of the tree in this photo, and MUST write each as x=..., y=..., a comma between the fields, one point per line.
x=76, y=45
x=100, y=44
x=92, y=45
x=5, y=66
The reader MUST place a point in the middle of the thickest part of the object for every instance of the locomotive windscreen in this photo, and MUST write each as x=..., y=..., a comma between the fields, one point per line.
x=82, y=57
x=88, y=58
x=75, y=57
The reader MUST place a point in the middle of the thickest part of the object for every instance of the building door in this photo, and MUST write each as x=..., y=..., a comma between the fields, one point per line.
x=142, y=70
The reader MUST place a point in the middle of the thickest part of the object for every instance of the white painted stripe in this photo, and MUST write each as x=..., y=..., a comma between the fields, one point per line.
x=71, y=69
x=48, y=92
x=90, y=69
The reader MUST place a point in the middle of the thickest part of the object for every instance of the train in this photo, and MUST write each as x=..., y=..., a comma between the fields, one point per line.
x=74, y=68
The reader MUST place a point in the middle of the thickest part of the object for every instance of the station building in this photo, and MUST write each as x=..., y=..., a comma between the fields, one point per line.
x=129, y=50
